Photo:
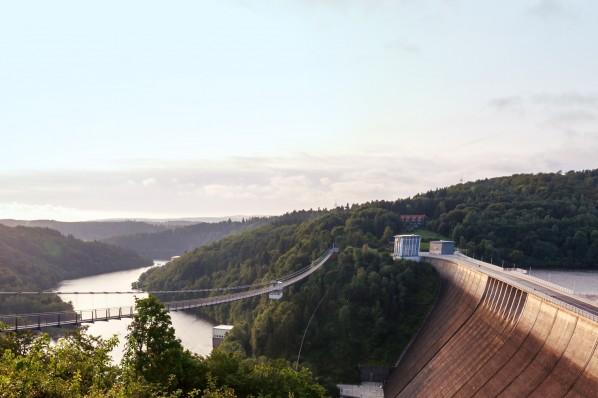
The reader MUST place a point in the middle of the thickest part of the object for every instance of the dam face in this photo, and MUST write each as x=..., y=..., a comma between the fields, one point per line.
x=486, y=338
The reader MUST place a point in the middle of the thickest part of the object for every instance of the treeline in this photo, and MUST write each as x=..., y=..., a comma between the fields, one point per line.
x=171, y=242
x=95, y=230
x=34, y=259
x=155, y=364
x=364, y=307
x=540, y=220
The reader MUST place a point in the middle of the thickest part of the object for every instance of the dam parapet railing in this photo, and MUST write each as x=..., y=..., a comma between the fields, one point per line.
x=497, y=274
x=524, y=273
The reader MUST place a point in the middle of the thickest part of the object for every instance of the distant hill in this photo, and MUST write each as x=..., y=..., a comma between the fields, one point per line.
x=94, y=230
x=537, y=220
x=175, y=241
x=33, y=259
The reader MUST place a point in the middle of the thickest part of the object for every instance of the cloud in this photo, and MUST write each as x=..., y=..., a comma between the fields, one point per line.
x=403, y=45
x=566, y=99
x=275, y=185
x=549, y=9
x=569, y=112
x=148, y=181
x=510, y=104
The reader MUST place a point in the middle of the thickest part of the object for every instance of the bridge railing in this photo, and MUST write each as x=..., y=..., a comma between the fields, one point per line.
x=523, y=273
x=64, y=318
x=37, y=321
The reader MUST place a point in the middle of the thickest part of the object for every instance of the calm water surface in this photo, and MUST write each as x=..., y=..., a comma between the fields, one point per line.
x=195, y=333
x=578, y=281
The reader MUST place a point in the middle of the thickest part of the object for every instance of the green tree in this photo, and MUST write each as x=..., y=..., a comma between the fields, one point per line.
x=152, y=350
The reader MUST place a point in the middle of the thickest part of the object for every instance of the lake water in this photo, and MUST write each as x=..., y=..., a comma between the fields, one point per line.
x=195, y=333
x=579, y=281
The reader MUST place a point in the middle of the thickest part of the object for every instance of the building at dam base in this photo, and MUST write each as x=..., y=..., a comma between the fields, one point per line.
x=487, y=338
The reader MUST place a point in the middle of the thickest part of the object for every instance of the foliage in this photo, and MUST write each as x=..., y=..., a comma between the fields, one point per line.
x=93, y=230
x=79, y=366
x=152, y=351
x=171, y=242
x=540, y=220
x=371, y=305
x=34, y=259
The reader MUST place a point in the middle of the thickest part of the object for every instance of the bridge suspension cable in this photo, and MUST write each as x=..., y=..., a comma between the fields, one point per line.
x=182, y=291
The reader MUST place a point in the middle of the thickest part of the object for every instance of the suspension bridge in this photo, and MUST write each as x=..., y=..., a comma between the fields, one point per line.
x=74, y=318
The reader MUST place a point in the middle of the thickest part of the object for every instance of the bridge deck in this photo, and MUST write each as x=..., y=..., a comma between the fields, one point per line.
x=73, y=318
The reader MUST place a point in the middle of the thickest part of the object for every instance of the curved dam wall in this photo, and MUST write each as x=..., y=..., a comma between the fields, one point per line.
x=486, y=338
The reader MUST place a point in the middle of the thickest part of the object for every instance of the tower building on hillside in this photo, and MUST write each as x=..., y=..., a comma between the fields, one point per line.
x=407, y=247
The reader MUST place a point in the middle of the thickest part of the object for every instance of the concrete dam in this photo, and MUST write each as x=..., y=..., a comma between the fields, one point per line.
x=489, y=336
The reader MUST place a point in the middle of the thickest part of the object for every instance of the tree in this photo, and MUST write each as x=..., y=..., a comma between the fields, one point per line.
x=152, y=350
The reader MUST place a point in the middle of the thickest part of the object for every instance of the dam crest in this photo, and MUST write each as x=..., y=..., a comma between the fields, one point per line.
x=489, y=336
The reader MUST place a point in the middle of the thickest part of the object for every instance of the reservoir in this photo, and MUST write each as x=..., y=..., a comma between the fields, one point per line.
x=195, y=333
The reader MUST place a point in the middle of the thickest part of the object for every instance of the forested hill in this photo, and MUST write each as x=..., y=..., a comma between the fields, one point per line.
x=94, y=230
x=33, y=259
x=371, y=305
x=541, y=220
x=175, y=241
x=368, y=306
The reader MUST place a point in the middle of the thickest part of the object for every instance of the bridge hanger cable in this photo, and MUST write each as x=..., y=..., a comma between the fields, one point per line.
x=182, y=291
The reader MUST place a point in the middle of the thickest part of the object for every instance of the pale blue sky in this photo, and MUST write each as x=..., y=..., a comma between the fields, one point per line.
x=189, y=108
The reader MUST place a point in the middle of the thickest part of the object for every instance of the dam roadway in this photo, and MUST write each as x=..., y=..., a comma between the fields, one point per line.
x=495, y=333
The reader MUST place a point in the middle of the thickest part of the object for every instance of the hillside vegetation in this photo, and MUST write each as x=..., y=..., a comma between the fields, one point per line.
x=155, y=364
x=365, y=306
x=540, y=220
x=175, y=241
x=94, y=230
x=33, y=259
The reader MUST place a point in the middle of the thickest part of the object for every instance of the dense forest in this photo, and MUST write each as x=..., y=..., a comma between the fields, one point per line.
x=171, y=242
x=34, y=259
x=539, y=220
x=155, y=364
x=95, y=230
x=365, y=306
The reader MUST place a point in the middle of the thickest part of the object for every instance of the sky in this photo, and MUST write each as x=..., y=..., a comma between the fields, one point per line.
x=152, y=109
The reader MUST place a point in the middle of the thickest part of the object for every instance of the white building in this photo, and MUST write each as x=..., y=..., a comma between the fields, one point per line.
x=407, y=247
x=219, y=333
x=365, y=390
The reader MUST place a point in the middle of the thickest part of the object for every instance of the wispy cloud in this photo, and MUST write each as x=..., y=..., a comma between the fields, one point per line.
x=549, y=9
x=569, y=112
x=403, y=45
x=511, y=104
x=271, y=185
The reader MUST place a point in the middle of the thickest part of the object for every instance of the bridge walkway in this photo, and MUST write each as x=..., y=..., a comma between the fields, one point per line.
x=72, y=318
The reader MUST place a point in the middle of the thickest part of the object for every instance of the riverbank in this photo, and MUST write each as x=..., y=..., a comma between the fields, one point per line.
x=195, y=333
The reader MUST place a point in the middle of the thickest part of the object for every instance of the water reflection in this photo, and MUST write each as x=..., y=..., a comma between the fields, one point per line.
x=195, y=333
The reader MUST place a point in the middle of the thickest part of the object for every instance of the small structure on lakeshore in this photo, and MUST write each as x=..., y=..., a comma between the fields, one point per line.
x=442, y=247
x=407, y=247
x=366, y=389
x=219, y=333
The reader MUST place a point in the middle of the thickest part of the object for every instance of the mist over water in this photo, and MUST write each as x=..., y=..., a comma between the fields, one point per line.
x=195, y=333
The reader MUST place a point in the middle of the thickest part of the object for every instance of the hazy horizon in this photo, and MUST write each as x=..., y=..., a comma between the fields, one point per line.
x=148, y=110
